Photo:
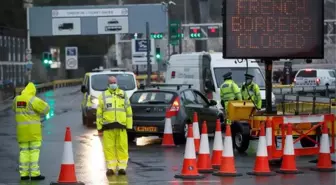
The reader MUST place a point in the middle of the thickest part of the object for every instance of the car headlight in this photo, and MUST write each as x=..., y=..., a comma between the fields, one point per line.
x=94, y=100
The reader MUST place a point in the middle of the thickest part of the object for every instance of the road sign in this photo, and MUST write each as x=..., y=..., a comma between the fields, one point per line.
x=66, y=26
x=71, y=57
x=111, y=25
x=28, y=57
x=85, y=20
x=29, y=65
x=139, y=51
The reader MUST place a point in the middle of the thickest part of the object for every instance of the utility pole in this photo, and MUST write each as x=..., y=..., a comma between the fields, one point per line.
x=149, y=67
x=28, y=4
x=117, y=42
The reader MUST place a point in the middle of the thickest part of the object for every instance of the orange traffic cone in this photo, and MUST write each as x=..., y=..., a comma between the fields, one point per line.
x=67, y=174
x=204, y=162
x=227, y=168
x=269, y=140
x=189, y=169
x=288, y=164
x=196, y=133
x=324, y=163
x=168, y=139
x=261, y=166
x=217, y=147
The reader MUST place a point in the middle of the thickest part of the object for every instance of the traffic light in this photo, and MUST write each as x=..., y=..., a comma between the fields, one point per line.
x=157, y=54
x=195, y=32
x=156, y=35
x=213, y=31
x=47, y=58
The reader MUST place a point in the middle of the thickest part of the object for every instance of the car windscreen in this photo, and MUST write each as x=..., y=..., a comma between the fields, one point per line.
x=125, y=81
x=238, y=75
x=307, y=74
x=151, y=97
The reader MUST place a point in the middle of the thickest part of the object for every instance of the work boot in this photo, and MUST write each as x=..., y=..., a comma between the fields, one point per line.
x=37, y=178
x=122, y=172
x=25, y=178
x=109, y=172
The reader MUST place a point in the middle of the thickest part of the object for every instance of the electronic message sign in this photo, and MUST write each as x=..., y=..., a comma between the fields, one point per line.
x=273, y=29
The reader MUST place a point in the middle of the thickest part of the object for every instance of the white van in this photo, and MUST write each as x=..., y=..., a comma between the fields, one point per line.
x=205, y=72
x=94, y=83
x=315, y=77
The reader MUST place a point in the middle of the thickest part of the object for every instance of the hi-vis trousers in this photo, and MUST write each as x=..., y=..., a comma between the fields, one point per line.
x=29, y=158
x=115, y=147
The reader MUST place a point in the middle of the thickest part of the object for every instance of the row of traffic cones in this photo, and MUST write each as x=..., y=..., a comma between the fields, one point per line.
x=193, y=167
x=168, y=140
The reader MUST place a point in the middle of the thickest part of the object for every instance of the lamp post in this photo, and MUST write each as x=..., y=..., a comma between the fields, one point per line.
x=27, y=5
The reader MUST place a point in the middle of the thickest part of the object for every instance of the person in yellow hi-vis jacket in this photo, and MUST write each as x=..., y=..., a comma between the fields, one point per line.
x=229, y=90
x=251, y=91
x=28, y=111
x=114, y=117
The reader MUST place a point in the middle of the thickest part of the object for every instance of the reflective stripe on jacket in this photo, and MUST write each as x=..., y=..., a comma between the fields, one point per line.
x=28, y=111
x=252, y=92
x=114, y=107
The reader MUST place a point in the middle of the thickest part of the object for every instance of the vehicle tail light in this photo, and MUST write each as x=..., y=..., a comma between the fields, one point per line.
x=175, y=107
x=173, y=74
x=308, y=70
x=318, y=81
x=294, y=80
x=209, y=95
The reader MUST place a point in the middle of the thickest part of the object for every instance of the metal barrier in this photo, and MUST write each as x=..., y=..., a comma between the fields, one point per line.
x=304, y=127
x=296, y=104
x=290, y=89
x=52, y=85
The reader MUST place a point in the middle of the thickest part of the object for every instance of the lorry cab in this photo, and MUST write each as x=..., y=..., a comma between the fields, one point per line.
x=94, y=83
x=205, y=71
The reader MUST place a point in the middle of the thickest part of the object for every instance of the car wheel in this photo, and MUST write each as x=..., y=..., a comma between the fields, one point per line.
x=181, y=138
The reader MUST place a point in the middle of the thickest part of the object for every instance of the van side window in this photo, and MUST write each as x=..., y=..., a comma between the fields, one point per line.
x=206, y=74
x=332, y=74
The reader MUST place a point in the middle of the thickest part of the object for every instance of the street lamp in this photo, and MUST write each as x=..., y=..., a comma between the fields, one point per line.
x=167, y=8
x=27, y=5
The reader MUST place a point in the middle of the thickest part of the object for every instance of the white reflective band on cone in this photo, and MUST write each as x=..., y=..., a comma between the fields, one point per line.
x=269, y=136
x=289, y=146
x=262, y=149
x=190, y=149
x=324, y=147
x=228, y=150
x=196, y=132
x=168, y=127
x=67, y=154
x=218, y=143
x=204, y=148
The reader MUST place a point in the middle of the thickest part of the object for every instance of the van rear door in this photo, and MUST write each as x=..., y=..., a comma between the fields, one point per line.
x=307, y=78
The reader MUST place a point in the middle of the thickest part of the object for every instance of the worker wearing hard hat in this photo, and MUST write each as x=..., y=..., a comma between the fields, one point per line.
x=28, y=108
x=229, y=90
x=251, y=91
x=114, y=116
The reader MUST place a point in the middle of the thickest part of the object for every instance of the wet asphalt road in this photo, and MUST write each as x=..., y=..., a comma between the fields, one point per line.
x=148, y=165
